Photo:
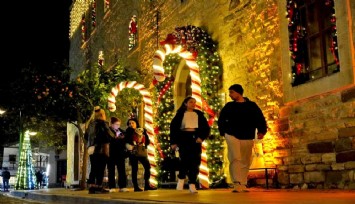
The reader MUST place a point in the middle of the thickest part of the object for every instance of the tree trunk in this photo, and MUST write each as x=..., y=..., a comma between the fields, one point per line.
x=84, y=168
x=83, y=171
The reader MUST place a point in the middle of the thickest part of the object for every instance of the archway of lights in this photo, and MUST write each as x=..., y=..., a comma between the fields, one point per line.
x=148, y=120
x=196, y=47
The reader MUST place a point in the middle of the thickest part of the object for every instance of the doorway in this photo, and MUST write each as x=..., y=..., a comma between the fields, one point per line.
x=182, y=84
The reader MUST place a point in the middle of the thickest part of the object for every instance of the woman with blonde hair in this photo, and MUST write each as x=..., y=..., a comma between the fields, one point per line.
x=100, y=138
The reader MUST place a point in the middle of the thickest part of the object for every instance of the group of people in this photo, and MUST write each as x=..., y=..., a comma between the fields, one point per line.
x=240, y=122
x=40, y=178
x=112, y=146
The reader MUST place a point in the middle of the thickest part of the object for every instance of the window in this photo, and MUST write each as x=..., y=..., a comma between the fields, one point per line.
x=12, y=158
x=313, y=39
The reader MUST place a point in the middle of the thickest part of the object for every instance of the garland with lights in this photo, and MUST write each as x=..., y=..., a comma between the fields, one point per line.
x=93, y=14
x=297, y=34
x=200, y=48
x=83, y=29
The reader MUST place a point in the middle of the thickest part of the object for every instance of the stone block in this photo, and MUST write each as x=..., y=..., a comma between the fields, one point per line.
x=348, y=95
x=283, y=178
x=314, y=177
x=343, y=144
x=338, y=166
x=311, y=159
x=291, y=160
x=323, y=167
x=352, y=176
x=337, y=177
x=296, y=178
x=281, y=153
x=295, y=168
x=310, y=167
x=320, y=147
x=329, y=158
x=346, y=132
x=345, y=156
x=351, y=186
x=333, y=177
x=282, y=168
x=349, y=165
x=282, y=127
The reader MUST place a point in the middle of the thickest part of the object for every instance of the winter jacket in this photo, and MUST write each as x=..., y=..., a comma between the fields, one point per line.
x=240, y=119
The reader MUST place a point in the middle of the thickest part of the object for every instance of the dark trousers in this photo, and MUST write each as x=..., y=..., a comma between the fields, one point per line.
x=146, y=165
x=118, y=162
x=98, y=165
x=5, y=184
x=190, y=157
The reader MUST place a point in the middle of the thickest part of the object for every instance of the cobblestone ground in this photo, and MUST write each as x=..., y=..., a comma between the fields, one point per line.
x=7, y=199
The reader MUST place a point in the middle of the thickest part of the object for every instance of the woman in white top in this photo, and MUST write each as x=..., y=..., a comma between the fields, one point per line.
x=188, y=129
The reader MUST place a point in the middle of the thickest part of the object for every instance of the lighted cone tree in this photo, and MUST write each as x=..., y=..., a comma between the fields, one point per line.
x=25, y=179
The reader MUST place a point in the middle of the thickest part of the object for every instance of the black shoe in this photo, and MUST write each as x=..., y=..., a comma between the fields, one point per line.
x=100, y=190
x=92, y=190
x=137, y=189
x=151, y=188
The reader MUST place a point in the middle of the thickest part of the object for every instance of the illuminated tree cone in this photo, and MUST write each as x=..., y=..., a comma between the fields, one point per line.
x=148, y=118
x=25, y=179
x=159, y=75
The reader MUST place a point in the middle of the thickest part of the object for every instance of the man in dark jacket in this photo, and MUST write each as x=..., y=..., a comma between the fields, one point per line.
x=5, y=179
x=239, y=121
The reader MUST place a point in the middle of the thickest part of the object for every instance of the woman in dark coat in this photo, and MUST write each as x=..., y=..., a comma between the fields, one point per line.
x=138, y=136
x=188, y=129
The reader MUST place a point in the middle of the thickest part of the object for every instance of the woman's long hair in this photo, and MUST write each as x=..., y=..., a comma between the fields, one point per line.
x=183, y=106
x=133, y=119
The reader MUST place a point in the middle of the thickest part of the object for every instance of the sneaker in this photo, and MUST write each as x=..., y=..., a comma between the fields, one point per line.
x=237, y=187
x=192, y=188
x=113, y=190
x=92, y=190
x=147, y=188
x=180, y=184
x=124, y=190
x=137, y=189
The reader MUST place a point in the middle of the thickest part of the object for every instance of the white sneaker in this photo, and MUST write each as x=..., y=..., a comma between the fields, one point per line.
x=124, y=190
x=237, y=187
x=113, y=190
x=192, y=188
x=180, y=184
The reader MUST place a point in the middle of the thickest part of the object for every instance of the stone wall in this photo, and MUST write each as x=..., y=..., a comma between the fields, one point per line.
x=310, y=140
x=320, y=151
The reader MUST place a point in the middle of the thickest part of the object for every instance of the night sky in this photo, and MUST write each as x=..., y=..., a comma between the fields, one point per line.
x=33, y=32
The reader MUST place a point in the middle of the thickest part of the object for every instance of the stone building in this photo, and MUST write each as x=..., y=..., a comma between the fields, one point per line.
x=309, y=103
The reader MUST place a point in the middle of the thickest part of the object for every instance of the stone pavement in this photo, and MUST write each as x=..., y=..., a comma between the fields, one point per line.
x=211, y=196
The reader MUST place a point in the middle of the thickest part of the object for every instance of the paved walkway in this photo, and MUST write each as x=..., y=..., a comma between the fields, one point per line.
x=211, y=196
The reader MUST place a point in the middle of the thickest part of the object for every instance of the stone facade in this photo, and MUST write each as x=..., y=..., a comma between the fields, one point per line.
x=311, y=138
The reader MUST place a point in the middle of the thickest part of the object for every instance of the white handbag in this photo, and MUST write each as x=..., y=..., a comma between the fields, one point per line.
x=91, y=150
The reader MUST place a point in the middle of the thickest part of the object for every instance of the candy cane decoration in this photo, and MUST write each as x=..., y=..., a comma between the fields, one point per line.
x=148, y=118
x=159, y=75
